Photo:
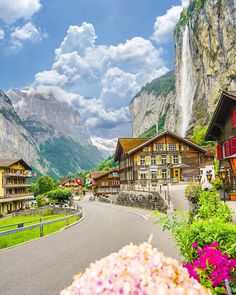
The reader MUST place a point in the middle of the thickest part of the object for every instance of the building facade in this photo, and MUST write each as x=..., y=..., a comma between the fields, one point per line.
x=105, y=183
x=14, y=194
x=222, y=129
x=164, y=158
x=71, y=184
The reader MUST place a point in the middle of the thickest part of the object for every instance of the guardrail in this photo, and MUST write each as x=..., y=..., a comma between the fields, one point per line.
x=40, y=225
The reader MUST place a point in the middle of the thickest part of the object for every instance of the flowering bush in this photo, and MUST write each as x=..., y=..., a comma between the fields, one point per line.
x=212, y=267
x=135, y=270
x=192, y=192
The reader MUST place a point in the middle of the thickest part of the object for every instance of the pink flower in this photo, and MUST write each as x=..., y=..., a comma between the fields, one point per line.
x=195, y=245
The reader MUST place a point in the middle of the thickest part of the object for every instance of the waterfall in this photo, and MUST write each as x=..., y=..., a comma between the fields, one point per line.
x=187, y=89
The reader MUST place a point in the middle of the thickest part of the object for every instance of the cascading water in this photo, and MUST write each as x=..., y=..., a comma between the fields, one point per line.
x=187, y=89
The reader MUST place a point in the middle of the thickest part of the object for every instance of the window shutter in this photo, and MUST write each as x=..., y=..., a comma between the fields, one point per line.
x=138, y=160
x=172, y=159
x=139, y=175
x=154, y=147
x=227, y=148
x=164, y=146
x=158, y=159
x=234, y=118
x=233, y=145
x=159, y=174
x=177, y=146
x=168, y=173
x=180, y=159
x=149, y=175
x=168, y=159
x=167, y=147
x=148, y=160
x=219, y=152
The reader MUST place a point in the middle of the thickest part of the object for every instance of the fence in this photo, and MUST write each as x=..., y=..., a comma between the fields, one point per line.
x=40, y=225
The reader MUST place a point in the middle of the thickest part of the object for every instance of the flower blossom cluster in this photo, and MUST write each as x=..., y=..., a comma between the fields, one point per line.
x=136, y=270
x=212, y=265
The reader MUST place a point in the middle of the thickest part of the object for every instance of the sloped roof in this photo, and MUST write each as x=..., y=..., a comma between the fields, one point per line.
x=8, y=162
x=168, y=132
x=127, y=144
x=98, y=174
x=226, y=103
x=63, y=181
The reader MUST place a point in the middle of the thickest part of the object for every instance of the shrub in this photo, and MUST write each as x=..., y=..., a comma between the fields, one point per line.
x=217, y=184
x=208, y=231
x=1, y=215
x=210, y=205
x=41, y=200
x=59, y=194
x=192, y=192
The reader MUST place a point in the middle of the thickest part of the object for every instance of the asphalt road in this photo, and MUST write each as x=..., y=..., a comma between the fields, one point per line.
x=177, y=197
x=47, y=265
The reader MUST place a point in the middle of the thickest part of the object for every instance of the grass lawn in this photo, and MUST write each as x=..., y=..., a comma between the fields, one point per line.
x=27, y=235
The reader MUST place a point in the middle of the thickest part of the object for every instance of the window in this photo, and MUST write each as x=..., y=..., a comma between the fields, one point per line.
x=154, y=175
x=143, y=175
x=163, y=159
x=142, y=160
x=172, y=147
x=164, y=173
x=159, y=147
x=175, y=159
x=153, y=160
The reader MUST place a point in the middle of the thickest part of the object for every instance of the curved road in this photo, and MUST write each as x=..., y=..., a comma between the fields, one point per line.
x=47, y=265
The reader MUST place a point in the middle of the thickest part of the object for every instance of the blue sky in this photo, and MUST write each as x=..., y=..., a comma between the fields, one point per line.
x=111, y=48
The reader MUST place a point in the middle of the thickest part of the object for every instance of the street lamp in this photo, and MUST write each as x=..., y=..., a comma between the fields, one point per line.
x=223, y=174
x=199, y=178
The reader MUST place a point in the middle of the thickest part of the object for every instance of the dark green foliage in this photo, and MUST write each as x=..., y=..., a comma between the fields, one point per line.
x=160, y=86
x=162, y=120
x=192, y=192
x=44, y=184
x=186, y=13
x=59, y=195
x=106, y=165
x=150, y=132
x=199, y=133
x=65, y=155
x=148, y=113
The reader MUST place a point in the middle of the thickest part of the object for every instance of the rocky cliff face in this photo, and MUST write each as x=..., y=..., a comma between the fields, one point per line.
x=15, y=139
x=211, y=29
x=205, y=53
x=153, y=107
x=49, y=132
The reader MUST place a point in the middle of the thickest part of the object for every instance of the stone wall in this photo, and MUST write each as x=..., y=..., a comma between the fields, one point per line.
x=148, y=200
x=40, y=211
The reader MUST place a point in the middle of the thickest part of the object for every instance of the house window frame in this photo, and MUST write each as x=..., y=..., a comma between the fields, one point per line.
x=164, y=173
x=172, y=147
x=163, y=159
x=175, y=159
x=153, y=160
x=159, y=147
x=142, y=160
x=152, y=174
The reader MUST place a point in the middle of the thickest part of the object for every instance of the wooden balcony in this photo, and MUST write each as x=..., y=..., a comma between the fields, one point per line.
x=16, y=197
x=13, y=185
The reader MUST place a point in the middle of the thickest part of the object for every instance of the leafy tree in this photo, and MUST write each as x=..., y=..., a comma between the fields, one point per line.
x=44, y=184
x=199, y=135
x=59, y=194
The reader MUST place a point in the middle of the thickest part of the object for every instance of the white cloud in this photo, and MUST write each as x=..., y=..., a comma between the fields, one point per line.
x=165, y=24
x=185, y=3
x=117, y=86
x=50, y=78
x=12, y=10
x=23, y=34
x=77, y=39
x=2, y=34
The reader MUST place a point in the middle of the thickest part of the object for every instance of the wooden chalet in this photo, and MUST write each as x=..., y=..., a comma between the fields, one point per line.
x=71, y=184
x=105, y=182
x=222, y=129
x=167, y=157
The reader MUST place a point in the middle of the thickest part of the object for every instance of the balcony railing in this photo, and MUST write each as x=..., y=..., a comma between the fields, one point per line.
x=18, y=174
x=10, y=185
x=18, y=195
